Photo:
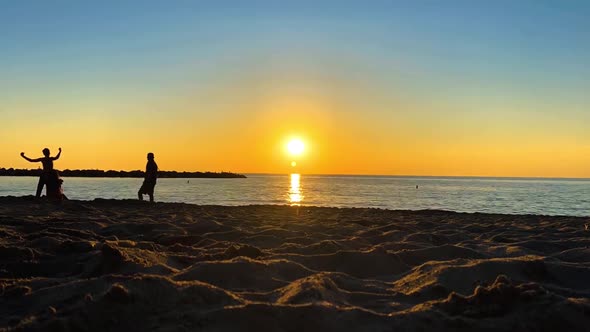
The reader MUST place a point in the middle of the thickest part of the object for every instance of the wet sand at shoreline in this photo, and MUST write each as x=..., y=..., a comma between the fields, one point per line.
x=113, y=265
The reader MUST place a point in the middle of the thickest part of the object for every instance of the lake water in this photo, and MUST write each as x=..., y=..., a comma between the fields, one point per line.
x=495, y=195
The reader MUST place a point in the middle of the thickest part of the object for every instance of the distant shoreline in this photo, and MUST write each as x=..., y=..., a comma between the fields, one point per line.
x=92, y=173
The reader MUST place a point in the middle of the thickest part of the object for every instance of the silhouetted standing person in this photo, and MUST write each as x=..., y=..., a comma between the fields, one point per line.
x=47, y=162
x=149, y=182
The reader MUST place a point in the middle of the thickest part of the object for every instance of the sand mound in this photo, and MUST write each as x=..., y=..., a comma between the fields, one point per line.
x=507, y=303
x=245, y=274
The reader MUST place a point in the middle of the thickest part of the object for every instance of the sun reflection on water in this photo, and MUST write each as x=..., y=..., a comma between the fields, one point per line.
x=295, y=195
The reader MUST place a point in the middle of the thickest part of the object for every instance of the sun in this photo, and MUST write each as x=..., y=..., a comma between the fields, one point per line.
x=295, y=147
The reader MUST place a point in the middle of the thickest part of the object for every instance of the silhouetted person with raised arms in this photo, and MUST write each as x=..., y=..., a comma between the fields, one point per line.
x=47, y=162
x=149, y=182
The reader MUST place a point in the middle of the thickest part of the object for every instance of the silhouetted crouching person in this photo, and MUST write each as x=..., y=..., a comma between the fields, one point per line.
x=53, y=184
x=48, y=172
x=151, y=175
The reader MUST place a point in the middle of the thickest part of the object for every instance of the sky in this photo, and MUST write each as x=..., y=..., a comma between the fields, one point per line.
x=454, y=88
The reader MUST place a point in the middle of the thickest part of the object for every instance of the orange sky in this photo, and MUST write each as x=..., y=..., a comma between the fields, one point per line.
x=248, y=133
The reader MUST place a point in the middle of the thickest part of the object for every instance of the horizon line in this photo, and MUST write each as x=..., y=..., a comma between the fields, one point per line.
x=429, y=176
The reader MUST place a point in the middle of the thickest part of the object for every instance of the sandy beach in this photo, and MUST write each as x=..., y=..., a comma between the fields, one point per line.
x=109, y=265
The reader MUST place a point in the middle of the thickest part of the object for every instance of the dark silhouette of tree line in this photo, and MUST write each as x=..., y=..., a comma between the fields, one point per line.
x=96, y=173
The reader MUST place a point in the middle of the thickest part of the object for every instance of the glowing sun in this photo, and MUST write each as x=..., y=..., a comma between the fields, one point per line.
x=295, y=147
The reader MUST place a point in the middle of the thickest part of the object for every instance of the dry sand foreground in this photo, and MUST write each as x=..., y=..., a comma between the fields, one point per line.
x=131, y=266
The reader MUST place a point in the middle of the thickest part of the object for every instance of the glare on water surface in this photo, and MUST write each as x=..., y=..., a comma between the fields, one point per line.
x=295, y=195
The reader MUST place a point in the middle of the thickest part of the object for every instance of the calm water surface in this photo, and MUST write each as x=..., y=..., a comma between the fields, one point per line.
x=515, y=196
